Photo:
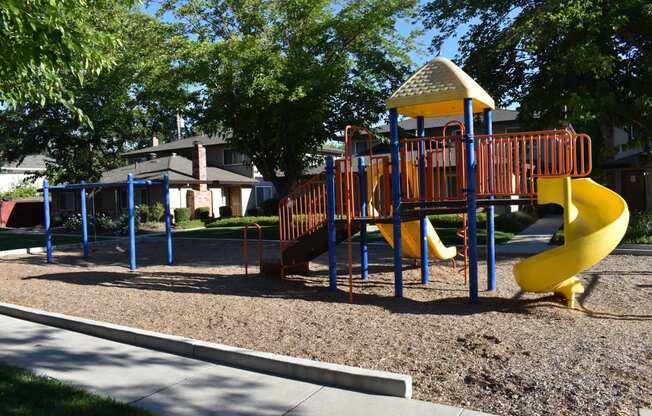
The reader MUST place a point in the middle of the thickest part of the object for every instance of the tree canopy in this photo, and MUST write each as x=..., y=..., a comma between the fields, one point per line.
x=44, y=43
x=283, y=76
x=123, y=105
x=585, y=61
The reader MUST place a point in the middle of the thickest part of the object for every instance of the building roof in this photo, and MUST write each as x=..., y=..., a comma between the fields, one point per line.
x=29, y=163
x=178, y=169
x=206, y=140
x=438, y=89
x=186, y=143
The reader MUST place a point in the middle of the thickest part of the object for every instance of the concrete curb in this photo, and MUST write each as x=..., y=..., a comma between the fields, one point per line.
x=336, y=375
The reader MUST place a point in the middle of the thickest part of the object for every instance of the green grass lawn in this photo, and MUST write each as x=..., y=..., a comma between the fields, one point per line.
x=11, y=241
x=24, y=393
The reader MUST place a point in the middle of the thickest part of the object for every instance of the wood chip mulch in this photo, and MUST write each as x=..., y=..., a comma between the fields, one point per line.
x=513, y=354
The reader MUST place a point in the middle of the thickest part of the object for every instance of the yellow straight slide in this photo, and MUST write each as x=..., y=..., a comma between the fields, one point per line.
x=410, y=237
x=595, y=220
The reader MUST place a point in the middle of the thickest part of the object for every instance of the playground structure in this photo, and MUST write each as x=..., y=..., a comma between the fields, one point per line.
x=397, y=191
x=131, y=184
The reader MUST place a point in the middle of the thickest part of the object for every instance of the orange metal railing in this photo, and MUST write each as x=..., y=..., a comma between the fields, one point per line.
x=246, y=246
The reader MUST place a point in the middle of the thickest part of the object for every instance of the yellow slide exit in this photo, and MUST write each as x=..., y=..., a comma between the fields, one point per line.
x=595, y=220
x=410, y=236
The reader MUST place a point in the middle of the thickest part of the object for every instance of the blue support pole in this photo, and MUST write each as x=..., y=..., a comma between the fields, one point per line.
x=46, y=221
x=168, y=217
x=132, y=223
x=84, y=221
x=471, y=200
x=364, y=248
x=491, y=237
x=423, y=220
x=330, y=221
x=396, y=202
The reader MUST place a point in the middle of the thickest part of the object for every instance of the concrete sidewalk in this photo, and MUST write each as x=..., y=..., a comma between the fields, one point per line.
x=532, y=240
x=172, y=385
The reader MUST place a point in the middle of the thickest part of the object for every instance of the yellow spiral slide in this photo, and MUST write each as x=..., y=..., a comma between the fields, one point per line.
x=595, y=220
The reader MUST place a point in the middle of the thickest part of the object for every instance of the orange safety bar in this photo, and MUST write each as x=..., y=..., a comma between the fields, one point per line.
x=246, y=246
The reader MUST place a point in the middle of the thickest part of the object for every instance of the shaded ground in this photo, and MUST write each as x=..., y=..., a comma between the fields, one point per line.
x=11, y=241
x=511, y=354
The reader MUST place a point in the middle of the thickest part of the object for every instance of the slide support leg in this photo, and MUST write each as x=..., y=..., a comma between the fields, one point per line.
x=364, y=247
x=471, y=200
x=330, y=223
x=396, y=202
x=491, y=237
x=423, y=220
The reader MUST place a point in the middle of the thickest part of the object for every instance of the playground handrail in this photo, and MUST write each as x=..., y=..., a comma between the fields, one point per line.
x=246, y=246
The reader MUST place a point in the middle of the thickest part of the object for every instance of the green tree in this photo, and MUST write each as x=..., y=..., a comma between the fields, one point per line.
x=283, y=76
x=125, y=104
x=584, y=61
x=46, y=42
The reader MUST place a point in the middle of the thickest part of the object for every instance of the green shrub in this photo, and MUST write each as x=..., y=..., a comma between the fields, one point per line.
x=270, y=207
x=454, y=220
x=185, y=225
x=157, y=212
x=242, y=221
x=254, y=212
x=639, y=230
x=73, y=222
x=182, y=214
x=142, y=213
x=203, y=213
x=514, y=222
x=103, y=223
x=226, y=212
x=22, y=190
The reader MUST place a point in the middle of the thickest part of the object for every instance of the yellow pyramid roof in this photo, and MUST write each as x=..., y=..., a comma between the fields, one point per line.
x=438, y=89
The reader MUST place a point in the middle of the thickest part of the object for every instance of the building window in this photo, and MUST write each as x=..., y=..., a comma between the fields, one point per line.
x=232, y=157
x=123, y=198
x=263, y=193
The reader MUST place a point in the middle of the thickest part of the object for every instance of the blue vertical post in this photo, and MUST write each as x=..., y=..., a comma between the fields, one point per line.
x=471, y=200
x=330, y=222
x=46, y=221
x=396, y=202
x=132, y=222
x=84, y=221
x=168, y=217
x=491, y=238
x=364, y=248
x=423, y=220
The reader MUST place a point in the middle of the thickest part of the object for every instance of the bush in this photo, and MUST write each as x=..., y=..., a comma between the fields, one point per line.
x=639, y=229
x=181, y=214
x=142, y=213
x=103, y=223
x=185, y=225
x=242, y=221
x=73, y=222
x=157, y=212
x=254, y=212
x=514, y=222
x=203, y=214
x=226, y=212
x=121, y=225
x=270, y=207
x=22, y=190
